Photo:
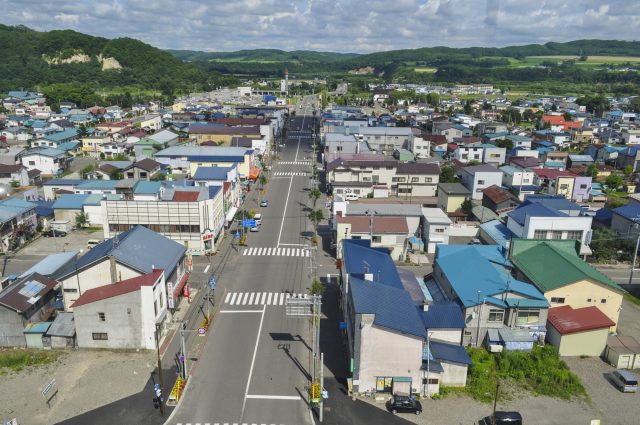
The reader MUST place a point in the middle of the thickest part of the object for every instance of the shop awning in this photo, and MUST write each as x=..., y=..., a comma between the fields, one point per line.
x=254, y=173
x=231, y=214
x=177, y=290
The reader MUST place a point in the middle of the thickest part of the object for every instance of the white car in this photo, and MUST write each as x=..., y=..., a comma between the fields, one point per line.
x=254, y=229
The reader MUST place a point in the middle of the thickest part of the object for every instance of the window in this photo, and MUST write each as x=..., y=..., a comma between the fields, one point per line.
x=414, y=179
x=557, y=300
x=404, y=190
x=588, y=300
x=377, y=239
x=583, y=186
x=102, y=317
x=399, y=179
x=32, y=163
x=480, y=181
x=467, y=332
x=99, y=336
x=496, y=315
x=384, y=384
x=432, y=381
x=564, y=186
x=440, y=230
x=356, y=237
x=527, y=317
x=540, y=234
x=574, y=235
x=70, y=290
x=556, y=234
x=603, y=301
x=428, y=179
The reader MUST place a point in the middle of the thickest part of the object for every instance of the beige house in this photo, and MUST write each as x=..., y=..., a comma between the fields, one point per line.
x=565, y=279
x=451, y=196
x=578, y=332
x=383, y=231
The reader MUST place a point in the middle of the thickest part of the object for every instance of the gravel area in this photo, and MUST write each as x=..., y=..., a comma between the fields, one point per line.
x=85, y=380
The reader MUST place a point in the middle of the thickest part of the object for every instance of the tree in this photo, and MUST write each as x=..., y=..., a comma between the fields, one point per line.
x=448, y=174
x=81, y=220
x=627, y=170
x=473, y=162
x=567, y=116
x=82, y=131
x=592, y=171
x=120, y=157
x=317, y=288
x=116, y=174
x=467, y=206
x=316, y=216
x=614, y=181
x=159, y=176
x=84, y=173
x=314, y=194
x=504, y=143
x=263, y=180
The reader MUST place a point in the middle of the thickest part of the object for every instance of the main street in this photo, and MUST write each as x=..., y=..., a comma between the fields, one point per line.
x=255, y=364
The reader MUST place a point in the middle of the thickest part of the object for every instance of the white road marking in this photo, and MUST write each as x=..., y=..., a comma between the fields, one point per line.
x=251, y=297
x=281, y=299
x=264, y=297
x=233, y=298
x=269, y=298
x=292, y=244
x=274, y=397
x=259, y=251
x=206, y=269
x=284, y=212
x=244, y=299
x=253, y=361
x=226, y=300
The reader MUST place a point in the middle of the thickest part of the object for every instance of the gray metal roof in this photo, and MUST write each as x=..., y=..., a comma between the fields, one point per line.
x=52, y=264
x=202, y=151
x=64, y=325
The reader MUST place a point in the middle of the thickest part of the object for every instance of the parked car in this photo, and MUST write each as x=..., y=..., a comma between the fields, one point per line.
x=351, y=196
x=404, y=404
x=53, y=233
x=264, y=203
x=92, y=242
x=254, y=229
x=624, y=380
x=258, y=219
x=503, y=418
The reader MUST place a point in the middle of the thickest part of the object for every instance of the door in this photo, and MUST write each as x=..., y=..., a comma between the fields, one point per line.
x=624, y=361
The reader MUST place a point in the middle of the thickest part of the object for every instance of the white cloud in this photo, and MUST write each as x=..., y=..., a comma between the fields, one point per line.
x=332, y=25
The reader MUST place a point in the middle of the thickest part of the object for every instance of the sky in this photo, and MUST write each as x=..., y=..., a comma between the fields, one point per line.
x=359, y=26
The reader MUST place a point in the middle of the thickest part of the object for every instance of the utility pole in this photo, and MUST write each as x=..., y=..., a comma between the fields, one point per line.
x=160, y=402
x=495, y=400
x=321, y=386
x=184, y=351
x=635, y=254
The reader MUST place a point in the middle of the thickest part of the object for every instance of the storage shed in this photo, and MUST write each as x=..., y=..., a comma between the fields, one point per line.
x=578, y=332
x=62, y=332
x=623, y=352
x=33, y=333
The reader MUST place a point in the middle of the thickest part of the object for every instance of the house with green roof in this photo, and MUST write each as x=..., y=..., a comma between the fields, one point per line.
x=556, y=269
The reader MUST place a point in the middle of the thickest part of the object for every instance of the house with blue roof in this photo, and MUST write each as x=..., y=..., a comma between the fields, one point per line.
x=479, y=279
x=550, y=217
x=399, y=338
x=630, y=155
x=18, y=222
x=49, y=161
x=188, y=158
x=53, y=140
x=130, y=254
x=625, y=220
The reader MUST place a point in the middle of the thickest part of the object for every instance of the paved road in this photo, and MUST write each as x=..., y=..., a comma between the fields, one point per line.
x=254, y=365
x=620, y=275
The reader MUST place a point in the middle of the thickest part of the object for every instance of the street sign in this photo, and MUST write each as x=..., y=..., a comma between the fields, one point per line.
x=212, y=283
x=201, y=331
x=343, y=325
x=237, y=235
x=48, y=387
x=170, y=301
x=248, y=223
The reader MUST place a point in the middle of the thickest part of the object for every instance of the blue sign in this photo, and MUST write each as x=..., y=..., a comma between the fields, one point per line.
x=248, y=223
x=212, y=283
x=343, y=325
x=237, y=235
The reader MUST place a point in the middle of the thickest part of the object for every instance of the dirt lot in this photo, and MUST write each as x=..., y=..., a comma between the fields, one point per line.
x=80, y=379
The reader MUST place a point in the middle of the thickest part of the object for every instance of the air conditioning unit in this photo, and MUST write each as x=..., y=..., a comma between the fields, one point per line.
x=495, y=348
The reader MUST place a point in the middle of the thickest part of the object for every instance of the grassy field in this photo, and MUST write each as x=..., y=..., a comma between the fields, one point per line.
x=591, y=60
x=426, y=70
x=16, y=360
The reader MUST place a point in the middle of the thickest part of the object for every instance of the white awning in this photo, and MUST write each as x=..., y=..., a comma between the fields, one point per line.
x=232, y=213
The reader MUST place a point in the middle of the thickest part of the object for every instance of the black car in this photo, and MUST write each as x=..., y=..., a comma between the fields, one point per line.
x=404, y=404
x=503, y=418
x=52, y=233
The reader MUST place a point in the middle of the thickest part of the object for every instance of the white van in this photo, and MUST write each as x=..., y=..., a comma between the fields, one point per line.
x=351, y=196
x=258, y=219
x=92, y=242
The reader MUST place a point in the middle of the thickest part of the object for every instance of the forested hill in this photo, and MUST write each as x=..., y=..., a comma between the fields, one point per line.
x=263, y=55
x=33, y=59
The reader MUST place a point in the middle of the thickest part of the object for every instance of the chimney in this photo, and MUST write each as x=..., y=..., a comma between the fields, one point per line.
x=368, y=276
x=112, y=269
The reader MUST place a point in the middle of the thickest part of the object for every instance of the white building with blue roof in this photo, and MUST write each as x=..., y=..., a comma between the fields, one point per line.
x=478, y=278
x=396, y=346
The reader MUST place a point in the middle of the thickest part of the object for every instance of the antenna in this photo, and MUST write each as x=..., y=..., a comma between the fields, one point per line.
x=366, y=266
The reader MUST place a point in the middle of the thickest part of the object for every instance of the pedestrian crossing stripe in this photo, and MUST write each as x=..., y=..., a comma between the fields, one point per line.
x=295, y=162
x=276, y=252
x=260, y=298
x=226, y=423
x=291, y=173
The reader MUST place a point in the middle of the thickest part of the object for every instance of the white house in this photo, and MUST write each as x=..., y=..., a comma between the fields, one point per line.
x=436, y=228
x=514, y=176
x=631, y=136
x=47, y=160
x=124, y=315
x=479, y=177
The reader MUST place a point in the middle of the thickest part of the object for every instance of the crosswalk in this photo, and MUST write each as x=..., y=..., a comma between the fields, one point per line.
x=226, y=423
x=276, y=252
x=295, y=163
x=290, y=173
x=260, y=298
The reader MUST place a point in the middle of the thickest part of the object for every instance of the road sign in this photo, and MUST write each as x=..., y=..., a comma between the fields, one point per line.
x=212, y=283
x=237, y=235
x=248, y=223
x=343, y=325
x=201, y=331
x=48, y=387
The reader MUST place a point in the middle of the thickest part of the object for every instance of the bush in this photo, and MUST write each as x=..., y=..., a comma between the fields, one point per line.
x=540, y=371
x=16, y=360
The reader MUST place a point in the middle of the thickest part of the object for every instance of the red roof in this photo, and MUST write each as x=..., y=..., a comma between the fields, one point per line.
x=553, y=119
x=184, y=196
x=568, y=320
x=551, y=173
x=360, y=224
x=118, y=288
x=571, y=124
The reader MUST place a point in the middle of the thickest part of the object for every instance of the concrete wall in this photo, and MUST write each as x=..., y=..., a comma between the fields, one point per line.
x=93, y=277
x=384, y=353
x=587, y=293
x=454, y=375
x=588, y=343
x=447, y=335
x=554, y=224
x=11, y=326
x=64, y=215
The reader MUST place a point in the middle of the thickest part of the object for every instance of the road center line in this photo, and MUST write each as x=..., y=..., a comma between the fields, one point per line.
x=292, y=244
x=284, y=213
x=253, y=360
x=275, y=397
x=240, y=311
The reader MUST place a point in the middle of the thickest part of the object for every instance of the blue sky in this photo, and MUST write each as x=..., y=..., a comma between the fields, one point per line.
x=332, y=25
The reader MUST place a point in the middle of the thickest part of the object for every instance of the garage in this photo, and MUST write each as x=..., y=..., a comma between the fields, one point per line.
x=623, y=352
